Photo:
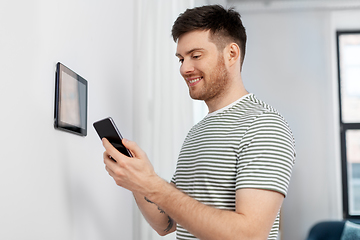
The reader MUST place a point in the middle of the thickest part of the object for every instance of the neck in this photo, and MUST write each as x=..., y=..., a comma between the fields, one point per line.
x=232, y=93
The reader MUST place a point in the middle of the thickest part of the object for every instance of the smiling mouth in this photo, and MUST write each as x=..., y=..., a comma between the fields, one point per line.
x=193, y=81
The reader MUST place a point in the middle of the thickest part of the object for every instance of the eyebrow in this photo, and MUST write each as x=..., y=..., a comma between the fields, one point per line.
x=190, y=51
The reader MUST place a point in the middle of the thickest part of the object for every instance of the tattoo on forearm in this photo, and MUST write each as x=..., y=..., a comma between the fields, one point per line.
x=161, y=211
x=170, y=221
x=148, y=200
x=171, y=224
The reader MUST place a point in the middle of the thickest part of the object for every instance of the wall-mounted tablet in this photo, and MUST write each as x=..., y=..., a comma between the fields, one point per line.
x=71, y=92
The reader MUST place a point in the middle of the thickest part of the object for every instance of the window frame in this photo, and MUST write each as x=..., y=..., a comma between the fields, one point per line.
x=343, y=128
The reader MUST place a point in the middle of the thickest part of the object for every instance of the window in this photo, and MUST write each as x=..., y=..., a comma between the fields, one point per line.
x=348, y=43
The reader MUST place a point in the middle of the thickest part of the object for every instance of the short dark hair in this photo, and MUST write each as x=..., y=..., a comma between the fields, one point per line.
x=225, y=25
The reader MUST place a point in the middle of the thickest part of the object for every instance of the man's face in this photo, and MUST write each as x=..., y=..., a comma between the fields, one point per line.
x=202, y=66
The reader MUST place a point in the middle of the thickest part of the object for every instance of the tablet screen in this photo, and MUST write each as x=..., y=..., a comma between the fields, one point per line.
x=70, y=101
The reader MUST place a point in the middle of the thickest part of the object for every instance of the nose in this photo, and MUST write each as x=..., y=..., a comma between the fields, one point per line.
x=186, y=67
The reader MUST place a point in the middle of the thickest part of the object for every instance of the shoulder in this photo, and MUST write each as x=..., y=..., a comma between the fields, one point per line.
x=265, y=116
x=268, y=128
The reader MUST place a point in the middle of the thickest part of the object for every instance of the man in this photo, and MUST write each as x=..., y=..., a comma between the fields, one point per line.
x=235, y=165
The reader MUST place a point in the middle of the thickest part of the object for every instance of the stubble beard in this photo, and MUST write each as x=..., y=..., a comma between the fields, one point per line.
x=215, y=83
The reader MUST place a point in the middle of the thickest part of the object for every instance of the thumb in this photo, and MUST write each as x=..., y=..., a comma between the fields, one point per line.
x=135, y=150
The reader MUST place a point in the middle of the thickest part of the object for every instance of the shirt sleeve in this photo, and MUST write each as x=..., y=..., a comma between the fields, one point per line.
x=266, y=155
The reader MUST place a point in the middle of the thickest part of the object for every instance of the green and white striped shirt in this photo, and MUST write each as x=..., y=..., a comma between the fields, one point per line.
x=247, y=144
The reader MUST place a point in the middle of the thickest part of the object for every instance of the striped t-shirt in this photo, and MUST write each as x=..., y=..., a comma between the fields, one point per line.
x=247, y=144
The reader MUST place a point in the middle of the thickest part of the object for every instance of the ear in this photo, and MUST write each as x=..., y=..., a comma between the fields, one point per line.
x=233, y=53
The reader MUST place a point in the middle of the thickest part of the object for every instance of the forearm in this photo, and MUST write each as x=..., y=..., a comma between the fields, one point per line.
x=203, y=221
x=155, y=216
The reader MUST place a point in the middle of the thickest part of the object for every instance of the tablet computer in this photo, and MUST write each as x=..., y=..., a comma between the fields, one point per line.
x=71, y=92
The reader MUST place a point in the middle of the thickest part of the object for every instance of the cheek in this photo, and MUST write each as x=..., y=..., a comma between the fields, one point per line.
x=205, y=69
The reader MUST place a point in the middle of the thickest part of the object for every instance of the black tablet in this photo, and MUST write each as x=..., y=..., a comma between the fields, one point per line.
x=70, y=101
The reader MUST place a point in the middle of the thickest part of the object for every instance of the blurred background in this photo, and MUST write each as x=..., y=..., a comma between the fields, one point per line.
x=53, y=184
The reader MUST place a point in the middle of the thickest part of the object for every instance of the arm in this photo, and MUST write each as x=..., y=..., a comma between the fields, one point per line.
x=154, y=215
x=255, y=212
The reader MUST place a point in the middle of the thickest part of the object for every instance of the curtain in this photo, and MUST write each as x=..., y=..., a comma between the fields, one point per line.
x=163, y=110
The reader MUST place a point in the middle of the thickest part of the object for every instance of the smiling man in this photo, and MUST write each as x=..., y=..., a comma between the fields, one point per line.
x=235, y=165
x=203, y=68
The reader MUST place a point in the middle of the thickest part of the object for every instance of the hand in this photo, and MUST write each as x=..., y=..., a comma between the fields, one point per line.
x=135, y=174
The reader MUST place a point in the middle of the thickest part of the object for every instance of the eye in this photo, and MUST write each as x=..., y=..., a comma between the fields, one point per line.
x=181, y=60
x=196, y=56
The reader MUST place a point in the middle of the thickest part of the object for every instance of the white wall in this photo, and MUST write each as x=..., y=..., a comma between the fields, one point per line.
x=290, y=63
x=53, y=184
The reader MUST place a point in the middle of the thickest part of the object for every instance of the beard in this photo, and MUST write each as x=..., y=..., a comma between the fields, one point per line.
x=214, y=83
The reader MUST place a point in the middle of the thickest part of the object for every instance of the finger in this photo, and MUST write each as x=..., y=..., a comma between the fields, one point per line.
x=113, y=175
x=111, y=172
x=107, y=145
x=111, y=150
x=108, y=159
x=107, y=156
x=134, y=148
x=112, y=167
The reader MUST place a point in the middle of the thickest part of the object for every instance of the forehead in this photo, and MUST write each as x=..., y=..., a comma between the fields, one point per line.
x=196, y=39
